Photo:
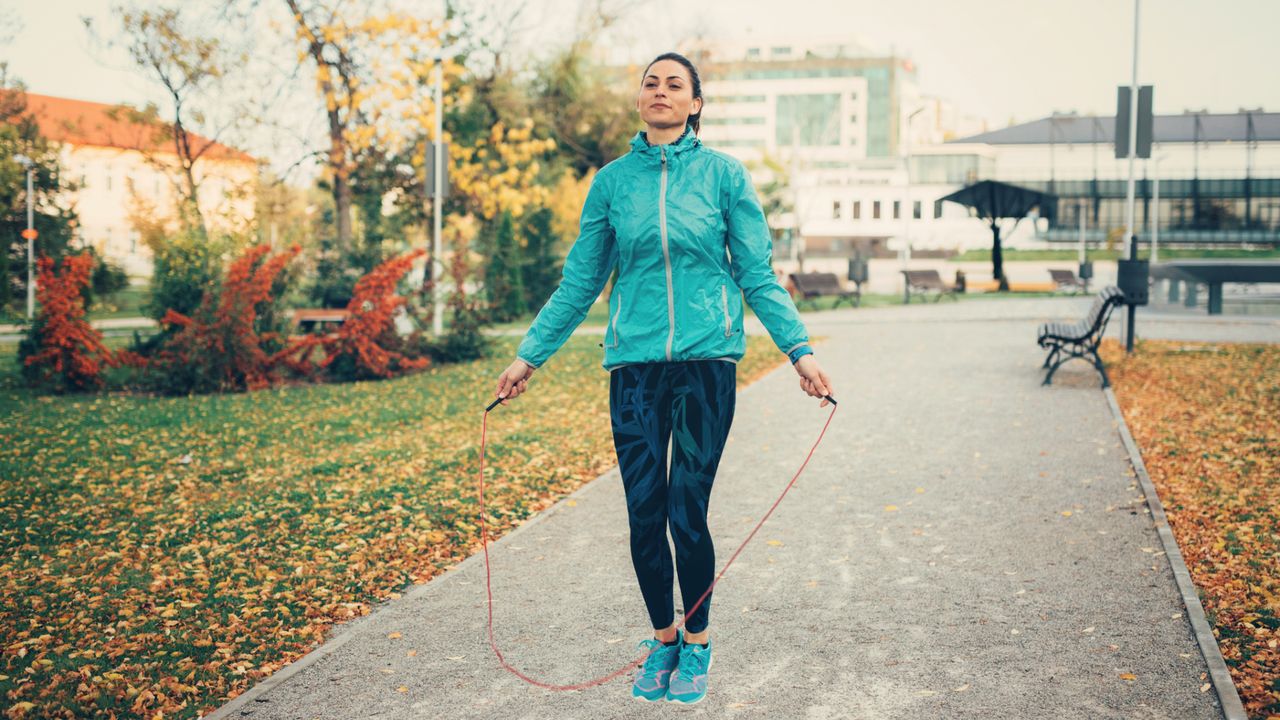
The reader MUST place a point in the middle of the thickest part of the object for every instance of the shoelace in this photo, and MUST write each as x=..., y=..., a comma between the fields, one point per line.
x=488, y=575
x=685, y=669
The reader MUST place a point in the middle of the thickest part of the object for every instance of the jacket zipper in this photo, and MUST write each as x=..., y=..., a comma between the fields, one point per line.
x=724, y=299
x=666, y=254
x=616, y=313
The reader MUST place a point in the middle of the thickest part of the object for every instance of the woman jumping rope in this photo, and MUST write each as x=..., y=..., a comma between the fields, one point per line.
x=683, y=227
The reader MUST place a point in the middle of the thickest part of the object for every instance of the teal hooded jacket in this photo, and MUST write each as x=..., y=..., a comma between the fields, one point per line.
x=683, y=226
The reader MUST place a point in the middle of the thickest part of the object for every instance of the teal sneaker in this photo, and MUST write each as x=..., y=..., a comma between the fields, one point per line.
x=653, y=678
x=689, y=681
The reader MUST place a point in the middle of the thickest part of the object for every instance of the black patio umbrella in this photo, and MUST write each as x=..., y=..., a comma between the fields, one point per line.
x=993, y=201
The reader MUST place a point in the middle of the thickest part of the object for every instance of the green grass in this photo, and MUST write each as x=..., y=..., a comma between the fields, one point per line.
x=1103, y=254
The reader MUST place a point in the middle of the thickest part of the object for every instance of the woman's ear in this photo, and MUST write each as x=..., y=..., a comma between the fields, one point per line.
x=697, y=108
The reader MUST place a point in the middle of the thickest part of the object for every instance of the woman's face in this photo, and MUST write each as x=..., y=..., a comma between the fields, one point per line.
x=666, y=96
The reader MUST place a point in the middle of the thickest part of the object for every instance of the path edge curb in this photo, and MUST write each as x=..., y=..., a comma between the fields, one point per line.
x=1219, y=675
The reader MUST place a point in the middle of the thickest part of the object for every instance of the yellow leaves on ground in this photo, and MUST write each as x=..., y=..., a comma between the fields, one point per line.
x=135, y=585
x=1207, y=420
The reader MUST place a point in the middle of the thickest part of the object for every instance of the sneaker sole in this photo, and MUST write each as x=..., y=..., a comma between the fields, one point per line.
x=700, y=697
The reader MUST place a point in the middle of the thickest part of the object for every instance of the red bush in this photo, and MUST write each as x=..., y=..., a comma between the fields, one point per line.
x=220, y=348
x=66, y=349
x=361, y=343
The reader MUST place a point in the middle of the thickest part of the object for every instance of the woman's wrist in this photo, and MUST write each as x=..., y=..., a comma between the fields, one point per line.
x=799, y=352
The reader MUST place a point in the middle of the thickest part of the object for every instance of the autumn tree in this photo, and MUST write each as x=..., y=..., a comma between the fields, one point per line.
x=186, y=56
x=328, y=39
x=54, y=217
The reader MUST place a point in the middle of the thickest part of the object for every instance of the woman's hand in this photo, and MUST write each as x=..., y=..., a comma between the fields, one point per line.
x=514, y=380
x=812, y=380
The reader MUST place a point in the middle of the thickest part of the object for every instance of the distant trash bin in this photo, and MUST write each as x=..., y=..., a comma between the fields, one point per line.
x=857, y=269
x=1133, y=280
x=959, y=281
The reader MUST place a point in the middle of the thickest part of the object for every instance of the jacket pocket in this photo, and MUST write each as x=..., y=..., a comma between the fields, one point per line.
x=724, y=301
x=614, y=322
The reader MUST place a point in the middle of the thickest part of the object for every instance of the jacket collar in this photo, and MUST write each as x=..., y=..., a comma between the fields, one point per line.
x=640, y=145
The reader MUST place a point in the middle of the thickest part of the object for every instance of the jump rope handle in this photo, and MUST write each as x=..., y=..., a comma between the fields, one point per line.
x=831, y=399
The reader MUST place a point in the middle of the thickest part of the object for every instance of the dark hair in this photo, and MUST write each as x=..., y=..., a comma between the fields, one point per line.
x=695, y=82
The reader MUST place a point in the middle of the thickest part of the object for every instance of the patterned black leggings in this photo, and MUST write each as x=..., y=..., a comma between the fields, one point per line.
x=691, y=404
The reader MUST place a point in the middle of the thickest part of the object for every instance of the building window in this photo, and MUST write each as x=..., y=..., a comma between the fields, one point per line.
x=897, y=209
x=854, y=118
x=875, y=210
x=857, y=209
x=753, y=53
x=937, y=209
x=108, y=177
x=835, y=210
x=915, y=209
x=736, y=98
x=853, y=96
x=783, y=51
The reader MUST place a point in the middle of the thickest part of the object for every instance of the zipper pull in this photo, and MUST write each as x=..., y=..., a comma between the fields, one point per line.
x=664, y=155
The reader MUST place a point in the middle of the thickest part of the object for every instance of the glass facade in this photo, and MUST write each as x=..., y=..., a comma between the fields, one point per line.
x=736, y=99
x=808, y=120
x=1203, y=210
x=950, y=169
x=734, y=121
x=880, y=110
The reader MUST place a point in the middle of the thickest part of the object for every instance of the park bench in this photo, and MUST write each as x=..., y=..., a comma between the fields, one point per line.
x=814, y=285
x=1066, y=280
x=1066, y=341
x=926, y=281
x=307, y=318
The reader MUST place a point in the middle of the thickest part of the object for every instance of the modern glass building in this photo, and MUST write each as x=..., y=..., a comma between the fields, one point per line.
x=1213, y=178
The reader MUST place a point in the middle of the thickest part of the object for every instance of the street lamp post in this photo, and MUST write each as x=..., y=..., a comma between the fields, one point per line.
x=1155, y=201
x=437, y=311
x=30, y=235
x=910, y=211
x=1130, y=251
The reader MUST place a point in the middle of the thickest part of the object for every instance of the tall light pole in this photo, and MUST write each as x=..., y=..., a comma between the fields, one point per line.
x=1130, y=251
x=910, y=211
x=437, y=311
x=1155, y=200
x=30, y=235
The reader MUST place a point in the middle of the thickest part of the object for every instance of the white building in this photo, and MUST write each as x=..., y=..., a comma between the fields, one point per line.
x=839, y=117
x=121, y=168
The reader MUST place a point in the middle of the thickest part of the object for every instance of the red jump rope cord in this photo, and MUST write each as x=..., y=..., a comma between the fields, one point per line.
x=484, y=535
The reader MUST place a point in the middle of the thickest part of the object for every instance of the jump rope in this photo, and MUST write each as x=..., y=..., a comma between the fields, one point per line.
x=488, y=575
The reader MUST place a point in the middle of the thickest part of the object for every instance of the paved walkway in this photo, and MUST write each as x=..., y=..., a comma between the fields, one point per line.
x=964, y=544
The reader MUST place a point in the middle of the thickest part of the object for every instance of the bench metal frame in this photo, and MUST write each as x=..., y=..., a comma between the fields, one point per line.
x=1081, y=340
x=827, y=285
x=924, y=281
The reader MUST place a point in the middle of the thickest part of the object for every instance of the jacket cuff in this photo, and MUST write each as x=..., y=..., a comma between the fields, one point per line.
x=799, y=351
x=526, y=362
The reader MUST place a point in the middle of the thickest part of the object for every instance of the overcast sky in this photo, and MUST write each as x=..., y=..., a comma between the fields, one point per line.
x=998, y=59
